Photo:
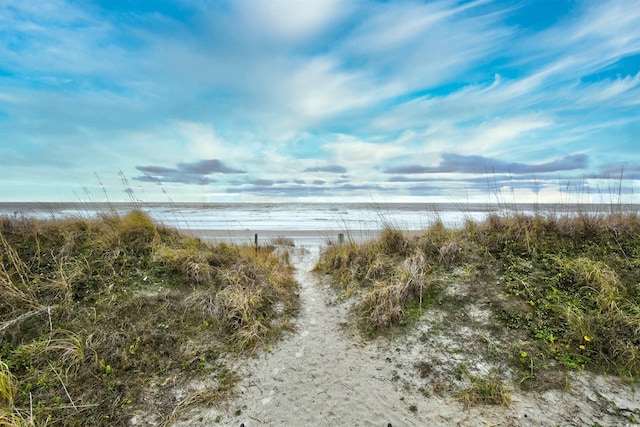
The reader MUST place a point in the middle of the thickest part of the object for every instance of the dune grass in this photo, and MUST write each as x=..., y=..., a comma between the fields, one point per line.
x=107, y=318
x=486, y=391
x=567, y=286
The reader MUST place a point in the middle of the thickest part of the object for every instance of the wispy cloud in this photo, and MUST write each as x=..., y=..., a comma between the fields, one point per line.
x=186, y=173
x=482, y=165
x=329, y=169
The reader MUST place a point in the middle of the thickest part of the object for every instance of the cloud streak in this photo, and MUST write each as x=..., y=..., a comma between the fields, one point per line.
x=329, y=169
x=454, y=163
x=186, y=173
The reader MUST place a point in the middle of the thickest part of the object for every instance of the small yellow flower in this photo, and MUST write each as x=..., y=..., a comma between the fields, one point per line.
x=583, y=347
x=587, y=339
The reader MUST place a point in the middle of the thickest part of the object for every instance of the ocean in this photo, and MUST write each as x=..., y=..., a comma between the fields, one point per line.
x=308, y=222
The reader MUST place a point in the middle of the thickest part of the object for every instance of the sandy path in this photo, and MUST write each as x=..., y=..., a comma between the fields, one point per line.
x=321, y=375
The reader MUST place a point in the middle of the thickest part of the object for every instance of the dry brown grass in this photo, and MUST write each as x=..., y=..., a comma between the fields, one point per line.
x=384, y=305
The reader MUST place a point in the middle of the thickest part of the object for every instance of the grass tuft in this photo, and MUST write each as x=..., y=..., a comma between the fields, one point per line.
x=485, y=391
x=7, y=386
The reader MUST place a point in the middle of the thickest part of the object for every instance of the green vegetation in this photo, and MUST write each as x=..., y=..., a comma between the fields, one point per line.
x=565, y=291
x=486, y=391
x=104, y=319
x=393, y=273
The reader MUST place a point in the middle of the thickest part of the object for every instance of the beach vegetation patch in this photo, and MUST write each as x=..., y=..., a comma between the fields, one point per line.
x=102, y=320
x=563, y=291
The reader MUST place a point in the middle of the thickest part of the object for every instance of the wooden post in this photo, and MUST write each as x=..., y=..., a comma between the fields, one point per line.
x=340, y=238
x=255, y=237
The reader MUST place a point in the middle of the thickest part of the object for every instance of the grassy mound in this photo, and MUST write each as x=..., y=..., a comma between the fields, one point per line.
x=103, y=319
x=564, y=289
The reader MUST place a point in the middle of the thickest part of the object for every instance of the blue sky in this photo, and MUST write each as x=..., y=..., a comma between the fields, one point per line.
x=324, y=100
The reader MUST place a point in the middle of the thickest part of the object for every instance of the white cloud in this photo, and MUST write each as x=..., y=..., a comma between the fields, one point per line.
x=424, y=45
x=41, y=38
x=289, y=20
x=42, y=12
x=498, y=98
x=622, y=91
x=595, y=36
x=398, y=25
x=202, y=142
x=320, y=89
x=394, y=25
x=348, y=150
x=614, y=23
x=496, y=137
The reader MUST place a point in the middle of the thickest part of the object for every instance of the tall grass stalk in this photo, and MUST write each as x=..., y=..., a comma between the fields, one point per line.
x=7, y=386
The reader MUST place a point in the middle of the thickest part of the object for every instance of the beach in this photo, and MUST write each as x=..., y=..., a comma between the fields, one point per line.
x=300, y=238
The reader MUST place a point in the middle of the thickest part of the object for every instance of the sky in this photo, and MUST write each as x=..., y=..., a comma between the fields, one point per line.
x=319, y=101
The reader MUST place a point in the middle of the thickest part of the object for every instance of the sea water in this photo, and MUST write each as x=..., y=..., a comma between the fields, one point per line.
x=267, y=216
x=278, y=218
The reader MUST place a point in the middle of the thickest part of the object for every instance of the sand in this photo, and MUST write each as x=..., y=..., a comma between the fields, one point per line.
x=302, y=238
x=325, y=374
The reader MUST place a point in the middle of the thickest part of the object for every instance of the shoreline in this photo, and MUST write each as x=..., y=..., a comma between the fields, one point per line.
x=299, y=237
